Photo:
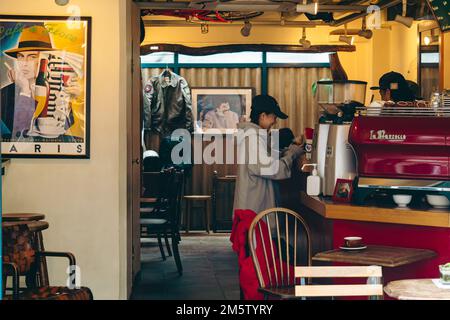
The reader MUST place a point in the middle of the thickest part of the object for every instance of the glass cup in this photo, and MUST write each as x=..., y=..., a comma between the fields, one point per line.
x=445, y=273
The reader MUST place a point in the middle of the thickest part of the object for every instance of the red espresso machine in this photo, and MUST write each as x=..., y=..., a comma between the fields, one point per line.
x=401, y=150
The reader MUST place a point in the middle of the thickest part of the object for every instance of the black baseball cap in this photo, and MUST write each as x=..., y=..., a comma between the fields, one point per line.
x=267, y=104
x=392, y=81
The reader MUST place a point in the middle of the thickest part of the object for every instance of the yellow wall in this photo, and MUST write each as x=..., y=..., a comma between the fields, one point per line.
x=446, y=60
x=84, y=200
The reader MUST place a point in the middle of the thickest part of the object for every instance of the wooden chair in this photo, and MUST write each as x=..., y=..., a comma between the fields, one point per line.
x=165, y=218
x=222, y=194
x=373, y=288
x=279, y=241
x=154, y=189
x=206, y=202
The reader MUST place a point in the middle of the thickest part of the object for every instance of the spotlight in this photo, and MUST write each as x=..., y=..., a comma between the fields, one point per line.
x=403, y=19
x=365, y=34
x=368, y=34
x=430, y=39
x=348, y=40
x=245, y=31
x=305, y=43
x=311, y=8
x=204, y=28
x=62, y=2
x=406, y=21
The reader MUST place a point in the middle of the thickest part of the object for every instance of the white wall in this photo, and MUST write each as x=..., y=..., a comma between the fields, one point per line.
x=84, y=200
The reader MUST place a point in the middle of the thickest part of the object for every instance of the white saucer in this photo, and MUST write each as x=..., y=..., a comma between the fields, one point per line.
x=353, y=248
x=48, y=136
x=440, y=207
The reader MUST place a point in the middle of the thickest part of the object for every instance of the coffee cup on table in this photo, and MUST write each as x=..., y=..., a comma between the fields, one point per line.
x=353, y=242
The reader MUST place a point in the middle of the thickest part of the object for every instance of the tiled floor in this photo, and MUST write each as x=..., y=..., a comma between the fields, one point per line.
x=210, y=271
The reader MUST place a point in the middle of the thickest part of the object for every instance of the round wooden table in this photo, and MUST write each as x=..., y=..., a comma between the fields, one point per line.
x=10, y=217
x=416, y=289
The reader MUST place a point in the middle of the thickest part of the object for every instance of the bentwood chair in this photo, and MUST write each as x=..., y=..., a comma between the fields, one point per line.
x=373, y=288
x=165, y=218
x=279, y=241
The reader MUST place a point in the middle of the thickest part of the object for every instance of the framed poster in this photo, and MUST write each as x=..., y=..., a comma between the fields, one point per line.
x=45, y=86
x=220, y=108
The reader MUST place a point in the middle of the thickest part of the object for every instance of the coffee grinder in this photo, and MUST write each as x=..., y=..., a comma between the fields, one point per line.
x=335, y=158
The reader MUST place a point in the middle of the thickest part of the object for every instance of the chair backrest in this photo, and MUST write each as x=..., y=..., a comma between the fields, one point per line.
x=19, y=255
x=177, y=197
x=159, y=185
x=372, y=288
x=279, y=241
x=18, y=246
x=222, y=197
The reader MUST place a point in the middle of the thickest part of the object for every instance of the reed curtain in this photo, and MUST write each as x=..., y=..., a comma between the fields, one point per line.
x=292, y=87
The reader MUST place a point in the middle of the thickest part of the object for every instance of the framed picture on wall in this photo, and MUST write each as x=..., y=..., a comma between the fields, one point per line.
x=220, y=108
x=45, y=86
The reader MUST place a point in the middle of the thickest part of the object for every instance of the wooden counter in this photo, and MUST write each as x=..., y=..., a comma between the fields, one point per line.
x=329, y=210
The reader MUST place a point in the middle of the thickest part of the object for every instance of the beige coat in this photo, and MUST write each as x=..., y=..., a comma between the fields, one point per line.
x=254, y=186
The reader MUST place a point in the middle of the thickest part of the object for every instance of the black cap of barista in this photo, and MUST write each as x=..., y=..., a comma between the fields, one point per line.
x=392, y=81
x=267, y=104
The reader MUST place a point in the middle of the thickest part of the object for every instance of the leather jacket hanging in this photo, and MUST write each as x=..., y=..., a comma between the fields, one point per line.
x=167, y=104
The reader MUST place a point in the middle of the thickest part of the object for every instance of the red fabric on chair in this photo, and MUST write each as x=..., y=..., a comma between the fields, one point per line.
x=248, y=280
x=247, y=274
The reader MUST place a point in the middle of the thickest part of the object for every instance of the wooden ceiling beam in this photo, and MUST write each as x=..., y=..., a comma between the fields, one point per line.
x=201, y=51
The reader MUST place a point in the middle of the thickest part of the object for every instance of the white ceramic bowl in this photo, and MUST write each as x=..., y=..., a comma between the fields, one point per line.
x=438, y=201
x=402, y=200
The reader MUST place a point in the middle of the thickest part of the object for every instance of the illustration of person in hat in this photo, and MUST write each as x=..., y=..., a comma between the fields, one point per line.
x=17, y=99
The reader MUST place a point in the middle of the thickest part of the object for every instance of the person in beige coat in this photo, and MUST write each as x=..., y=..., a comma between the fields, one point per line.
x=257, y=170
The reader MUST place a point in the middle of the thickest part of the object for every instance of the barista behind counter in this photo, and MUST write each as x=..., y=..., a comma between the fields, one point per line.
x=393, y=87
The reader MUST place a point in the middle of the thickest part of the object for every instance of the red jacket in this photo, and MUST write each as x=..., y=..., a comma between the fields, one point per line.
x=247, y=275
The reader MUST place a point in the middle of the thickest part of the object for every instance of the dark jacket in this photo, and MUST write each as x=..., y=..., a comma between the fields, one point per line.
x=17, y=111
x=167, y=105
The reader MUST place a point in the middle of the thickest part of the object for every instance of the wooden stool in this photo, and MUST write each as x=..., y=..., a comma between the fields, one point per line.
x=36, y=227
x=189, y=200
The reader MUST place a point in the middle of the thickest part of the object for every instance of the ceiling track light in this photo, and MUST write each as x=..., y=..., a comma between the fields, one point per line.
x=62, y=2
x=403, y=19
x=427, y=40
x=311, y=8
x=305, y=43
x=368, y=34
x=204, y=28
x=345, y=38
x=246, y=29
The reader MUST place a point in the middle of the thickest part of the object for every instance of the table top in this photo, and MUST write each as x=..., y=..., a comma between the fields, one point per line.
x=197, y=197
x=22, y=217
x=377, y=255
x=149, y=200
x=34, y=226
x=416, y=289
x=346, y=211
